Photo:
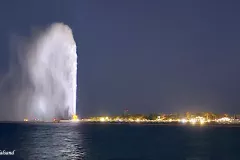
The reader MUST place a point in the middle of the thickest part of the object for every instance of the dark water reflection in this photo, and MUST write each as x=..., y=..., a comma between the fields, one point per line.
x=118, y=142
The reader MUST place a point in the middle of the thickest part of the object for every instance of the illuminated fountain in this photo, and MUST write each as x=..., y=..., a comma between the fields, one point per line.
x=43, y=83
x=52, y=68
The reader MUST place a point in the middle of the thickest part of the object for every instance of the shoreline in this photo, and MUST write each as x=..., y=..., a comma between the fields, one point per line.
x=210, y=124
x=168, y=124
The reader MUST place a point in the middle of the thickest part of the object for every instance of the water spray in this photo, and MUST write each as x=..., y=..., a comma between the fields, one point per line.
x=46, y=76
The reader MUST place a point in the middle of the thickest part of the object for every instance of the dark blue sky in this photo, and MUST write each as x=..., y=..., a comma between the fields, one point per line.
x=147, y=56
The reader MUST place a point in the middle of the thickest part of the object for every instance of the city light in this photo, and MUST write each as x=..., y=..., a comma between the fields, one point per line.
x=102, y=119
x=224, y=119
x=198, y=119
x=202, y=121
x=75, y=118
x=183, y=120
x=194, y=119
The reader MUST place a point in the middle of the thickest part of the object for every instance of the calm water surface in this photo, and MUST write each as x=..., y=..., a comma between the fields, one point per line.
x=119, y=142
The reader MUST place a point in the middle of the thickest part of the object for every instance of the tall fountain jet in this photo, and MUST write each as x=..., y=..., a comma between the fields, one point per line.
x=43, y=77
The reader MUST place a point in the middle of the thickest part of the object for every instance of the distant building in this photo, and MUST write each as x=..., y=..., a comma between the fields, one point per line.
x=125, y=113
x=237, y=116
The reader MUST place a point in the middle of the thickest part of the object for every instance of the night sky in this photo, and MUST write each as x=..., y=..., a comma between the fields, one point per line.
x=147, y=56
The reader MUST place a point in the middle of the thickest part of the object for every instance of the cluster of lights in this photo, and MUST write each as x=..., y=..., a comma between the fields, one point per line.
x=25, y=120
x=183, y=120
x=107, y=119
x=104, y=119
x=193, y=121
x=75, y=118
x=224, y=119
x=196, y=120
x=36, y=120
x=119, y=120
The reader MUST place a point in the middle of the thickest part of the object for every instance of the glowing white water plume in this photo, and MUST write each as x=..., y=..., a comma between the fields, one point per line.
x=47, y=75
x=52, y=68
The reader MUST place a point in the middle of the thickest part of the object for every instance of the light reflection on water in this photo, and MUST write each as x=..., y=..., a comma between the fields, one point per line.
x=119, y=142
x=53, y=141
